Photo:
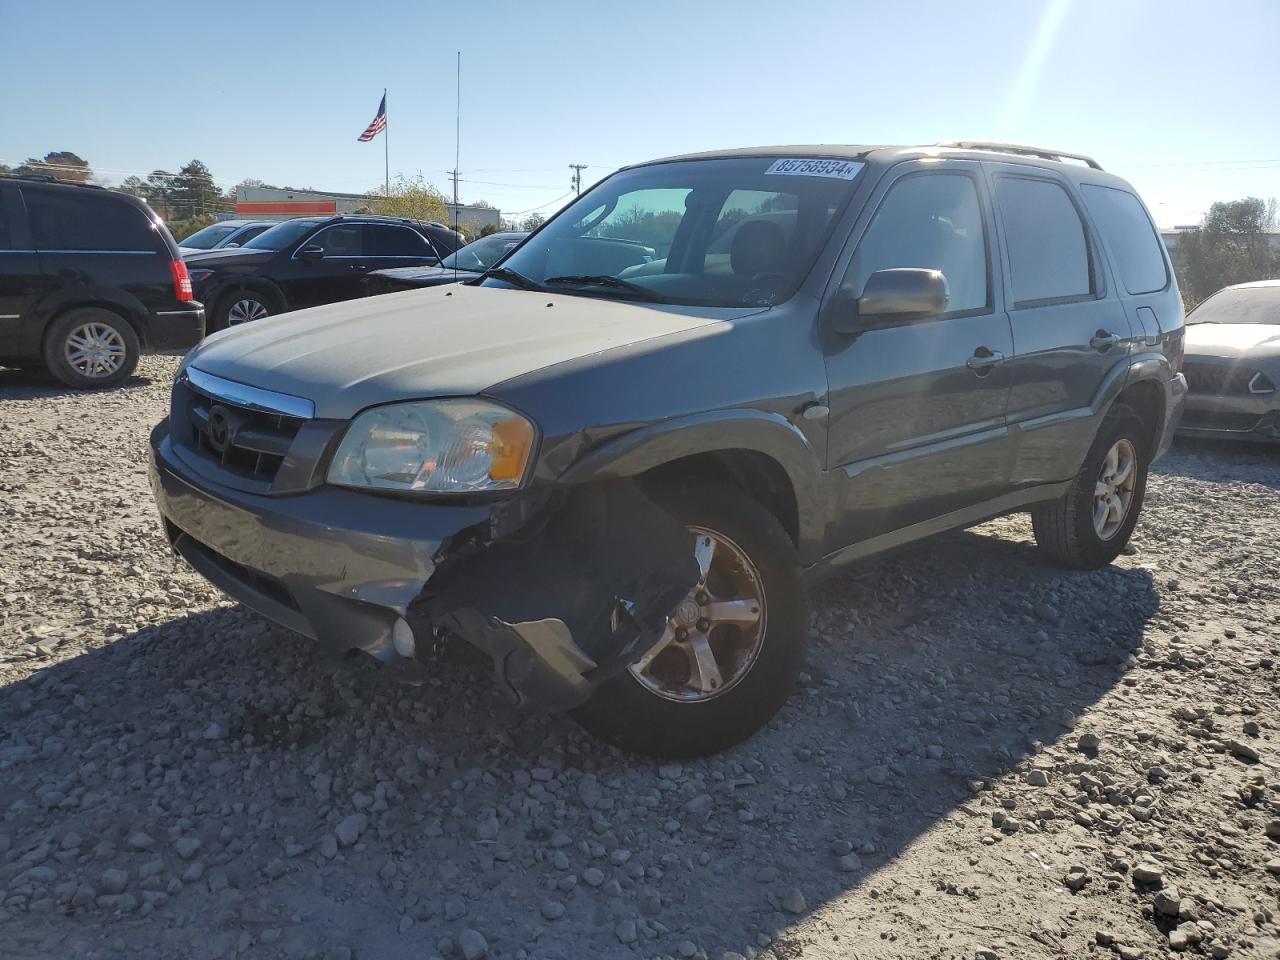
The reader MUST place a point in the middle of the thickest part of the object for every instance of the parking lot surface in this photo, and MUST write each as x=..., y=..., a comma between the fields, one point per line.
x=987, y=753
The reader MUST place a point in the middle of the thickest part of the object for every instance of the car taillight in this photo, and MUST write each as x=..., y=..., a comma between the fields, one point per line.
x=181, y=280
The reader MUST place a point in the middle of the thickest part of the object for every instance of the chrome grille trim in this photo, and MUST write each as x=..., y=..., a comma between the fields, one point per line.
x=251, y=398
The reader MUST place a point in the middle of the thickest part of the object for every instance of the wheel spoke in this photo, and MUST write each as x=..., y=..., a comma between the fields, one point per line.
x=704, y=551
x=704, y=672
x=1123, y=473
x=1100, y=511
x=732, y=611
x=1112, y=463
x=664, y=641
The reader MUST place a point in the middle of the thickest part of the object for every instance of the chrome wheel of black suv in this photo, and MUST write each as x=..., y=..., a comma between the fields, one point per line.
x=732, y=648
x=90, y=347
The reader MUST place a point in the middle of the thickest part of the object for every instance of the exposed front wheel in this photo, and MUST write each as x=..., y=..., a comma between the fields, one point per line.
x=91, y=347
x=1091, y=523
x=243, y=306
x=731, y=649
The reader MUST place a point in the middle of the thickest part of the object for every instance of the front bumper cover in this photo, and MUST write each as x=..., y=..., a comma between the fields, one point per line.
x=561, y=592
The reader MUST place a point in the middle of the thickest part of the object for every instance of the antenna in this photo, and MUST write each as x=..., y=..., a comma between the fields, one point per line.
x=457, y=156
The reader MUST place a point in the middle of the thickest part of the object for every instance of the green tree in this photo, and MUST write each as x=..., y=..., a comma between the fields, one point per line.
x=62, y=164
x=5, y=168
x=1231, y=245
x=533, y=221
x=409, y=197
x=194, y=193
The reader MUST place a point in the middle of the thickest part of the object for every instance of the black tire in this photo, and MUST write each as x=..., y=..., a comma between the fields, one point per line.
x=628, y=715
x=221, y=318
x=116, y=333
x=1064, y=528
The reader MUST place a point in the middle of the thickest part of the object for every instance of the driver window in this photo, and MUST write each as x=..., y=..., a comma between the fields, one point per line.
x=932, y=221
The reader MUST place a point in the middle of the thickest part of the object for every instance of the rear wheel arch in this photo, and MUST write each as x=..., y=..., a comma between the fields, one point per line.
x=261, y=287
x=1146, y=399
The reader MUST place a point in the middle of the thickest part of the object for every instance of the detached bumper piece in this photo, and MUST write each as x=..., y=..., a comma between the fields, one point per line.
x=570, y=603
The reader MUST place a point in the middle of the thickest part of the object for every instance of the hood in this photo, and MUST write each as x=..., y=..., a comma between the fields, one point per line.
x=212, y=259
x=1233, y=339
x=424, y=275
x=442, y=341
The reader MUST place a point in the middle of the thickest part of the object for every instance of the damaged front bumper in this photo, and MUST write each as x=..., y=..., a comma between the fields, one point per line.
x=562, y=591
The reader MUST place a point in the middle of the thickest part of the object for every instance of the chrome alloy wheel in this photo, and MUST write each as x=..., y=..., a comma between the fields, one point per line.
x=714, y=635
x=95, y=350
x=245, y=310
x=1113, y=493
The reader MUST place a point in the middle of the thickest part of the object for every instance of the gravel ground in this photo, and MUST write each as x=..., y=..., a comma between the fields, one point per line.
x=989, y=757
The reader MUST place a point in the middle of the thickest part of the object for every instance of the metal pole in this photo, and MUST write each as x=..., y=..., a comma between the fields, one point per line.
x=457, y=143
x=386, y=142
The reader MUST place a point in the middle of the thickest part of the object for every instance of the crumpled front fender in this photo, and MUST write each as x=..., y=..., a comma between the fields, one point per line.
x=569, y=601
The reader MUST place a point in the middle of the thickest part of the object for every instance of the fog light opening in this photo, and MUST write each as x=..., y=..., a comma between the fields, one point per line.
x=402, y=638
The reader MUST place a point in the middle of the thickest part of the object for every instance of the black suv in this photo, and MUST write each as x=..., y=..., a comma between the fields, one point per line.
x=614, y=471
x=89, y=279
x=308, y=261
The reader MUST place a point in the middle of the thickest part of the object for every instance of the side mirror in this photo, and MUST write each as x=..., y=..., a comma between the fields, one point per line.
x=899, y=293
x=311, y=252
x=231, y=246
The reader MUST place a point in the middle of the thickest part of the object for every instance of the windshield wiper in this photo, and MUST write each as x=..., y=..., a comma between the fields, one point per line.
x=509, y=275
x=604, y=280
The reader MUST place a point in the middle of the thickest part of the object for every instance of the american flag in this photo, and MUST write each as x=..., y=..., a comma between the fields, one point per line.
x=378, y=125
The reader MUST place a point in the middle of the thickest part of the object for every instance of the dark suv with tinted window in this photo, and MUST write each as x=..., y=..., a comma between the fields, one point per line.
x=614, y=462
x=308, y=261
x=89, y=279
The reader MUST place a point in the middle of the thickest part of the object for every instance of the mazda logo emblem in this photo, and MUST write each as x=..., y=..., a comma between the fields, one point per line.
x=222, y=431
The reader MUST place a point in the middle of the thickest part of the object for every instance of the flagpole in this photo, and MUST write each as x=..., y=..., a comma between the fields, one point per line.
x=386, y=142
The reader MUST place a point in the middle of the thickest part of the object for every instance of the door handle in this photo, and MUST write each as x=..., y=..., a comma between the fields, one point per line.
x=1103, y=341
x=983, y=360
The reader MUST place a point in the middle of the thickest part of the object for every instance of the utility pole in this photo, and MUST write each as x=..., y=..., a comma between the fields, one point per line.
x=576, y=181
x=453, y=175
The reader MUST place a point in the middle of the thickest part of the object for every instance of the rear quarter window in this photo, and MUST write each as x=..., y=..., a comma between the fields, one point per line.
x=1131, y=237
x=71, y=220
x=1048, y=249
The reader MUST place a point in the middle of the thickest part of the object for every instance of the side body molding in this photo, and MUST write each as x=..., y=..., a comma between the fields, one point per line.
x=759, y=431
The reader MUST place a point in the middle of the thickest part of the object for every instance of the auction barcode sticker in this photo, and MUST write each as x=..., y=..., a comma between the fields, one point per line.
x=817, y=167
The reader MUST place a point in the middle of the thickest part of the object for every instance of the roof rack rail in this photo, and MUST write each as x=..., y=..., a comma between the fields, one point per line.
x=50, y=178
x=1044, y=153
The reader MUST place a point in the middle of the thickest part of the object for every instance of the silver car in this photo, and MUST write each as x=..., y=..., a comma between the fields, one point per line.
x=1232, y=364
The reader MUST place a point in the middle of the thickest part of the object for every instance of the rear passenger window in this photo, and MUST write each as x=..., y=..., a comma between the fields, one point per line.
x=932, y=221
x=1048, y=253
x=87, y=221
x=386, y=241
x=1131, y=237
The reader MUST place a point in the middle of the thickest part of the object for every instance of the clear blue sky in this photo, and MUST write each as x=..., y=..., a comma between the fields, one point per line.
x=1180, y=96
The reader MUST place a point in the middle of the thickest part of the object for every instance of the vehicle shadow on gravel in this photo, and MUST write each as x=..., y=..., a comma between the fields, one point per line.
x=36, y=384
x=246, y=792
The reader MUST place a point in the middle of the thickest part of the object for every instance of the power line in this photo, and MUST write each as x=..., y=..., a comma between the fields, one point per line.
x=576, y=182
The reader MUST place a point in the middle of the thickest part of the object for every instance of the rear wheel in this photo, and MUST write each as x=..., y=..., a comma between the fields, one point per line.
x=731, y=649
x=243, y=306
x=1090, y=524
x=91, y=347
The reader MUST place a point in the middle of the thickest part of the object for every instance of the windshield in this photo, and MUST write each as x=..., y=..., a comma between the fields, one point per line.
x=729, y=232
x=209, y=237
x=282, y=235
x=482, y=254
x=1239, y=305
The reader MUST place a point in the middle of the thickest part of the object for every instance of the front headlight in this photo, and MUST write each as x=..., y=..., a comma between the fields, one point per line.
x=435, y=446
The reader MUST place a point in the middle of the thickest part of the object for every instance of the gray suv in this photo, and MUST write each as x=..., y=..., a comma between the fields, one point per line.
x=613, y=462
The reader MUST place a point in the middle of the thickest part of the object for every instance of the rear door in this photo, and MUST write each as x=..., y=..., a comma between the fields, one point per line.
x=917, y=419
x=391, y=245
x=21, y=282
x=1069, y=330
